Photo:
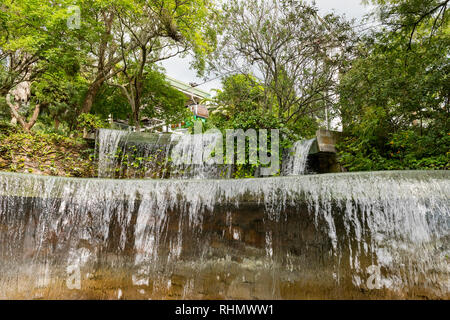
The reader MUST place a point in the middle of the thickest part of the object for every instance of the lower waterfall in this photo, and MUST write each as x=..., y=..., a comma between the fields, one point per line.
x=352, y=235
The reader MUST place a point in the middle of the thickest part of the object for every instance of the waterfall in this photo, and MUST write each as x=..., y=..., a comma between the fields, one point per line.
x=353, y=235
x=191, y=157
x=296, y=164
x=140, y=155
x=107, y=143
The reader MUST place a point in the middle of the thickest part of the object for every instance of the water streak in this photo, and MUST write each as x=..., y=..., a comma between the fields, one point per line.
x=313, y=236
x=192, y=157
x=107, y=143
x=296, y=164
x=137, y=155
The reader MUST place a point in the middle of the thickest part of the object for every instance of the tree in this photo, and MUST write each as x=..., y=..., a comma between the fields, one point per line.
x=161, y=101
x=409, y=16
x=296, y=54
x=394, y=100
x=159, y=30
x=31, y=37
x=60, y=95
x=240, y=93
x=100, y=38
x=116, y=43
x=240, y=105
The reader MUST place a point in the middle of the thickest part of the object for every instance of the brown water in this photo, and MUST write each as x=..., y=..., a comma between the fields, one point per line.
x=339, y=236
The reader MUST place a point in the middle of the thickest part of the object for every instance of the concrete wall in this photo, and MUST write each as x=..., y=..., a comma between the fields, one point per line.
x=327, y=140
x=322, y=156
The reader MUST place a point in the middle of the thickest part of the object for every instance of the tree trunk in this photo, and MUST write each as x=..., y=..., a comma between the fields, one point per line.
x=135, y=113
x=34, y=117
x=15, y=114
x=137, y=103
x=91, y=94
x=104, y=67
x=137, y=122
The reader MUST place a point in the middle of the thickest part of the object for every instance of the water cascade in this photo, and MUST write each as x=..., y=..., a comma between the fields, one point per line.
x=191, y=157
x=361, y=235
x=107, y=143
x=296, y=163
x=140, y=155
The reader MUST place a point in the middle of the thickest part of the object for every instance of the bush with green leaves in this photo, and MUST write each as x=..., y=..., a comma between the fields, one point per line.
x=394, y=99
x=404, y=150
x=240, y=106
x=90, y=122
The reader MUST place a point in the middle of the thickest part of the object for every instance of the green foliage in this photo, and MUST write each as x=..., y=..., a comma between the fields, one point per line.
x=60, y=95
x=293, y=50
x=50, y=154
x=65, y=64
x=239, y=105
x=395, y=98
x=411, y=18
x=111, y=101
x=90, y=122
x=406, y=150
x=5, y=113
x=7, y=128
x=155, y=31
x=162, y=101
x=34, y=36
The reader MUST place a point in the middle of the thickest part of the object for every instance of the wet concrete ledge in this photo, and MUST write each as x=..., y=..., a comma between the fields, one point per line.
x=30, y=185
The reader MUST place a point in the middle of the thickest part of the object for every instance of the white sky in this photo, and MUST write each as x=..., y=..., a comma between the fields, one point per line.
x=179, y=68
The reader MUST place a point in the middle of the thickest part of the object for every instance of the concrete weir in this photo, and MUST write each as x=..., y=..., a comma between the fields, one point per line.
x=164, y=155
x=322, y=156
x=369, y=235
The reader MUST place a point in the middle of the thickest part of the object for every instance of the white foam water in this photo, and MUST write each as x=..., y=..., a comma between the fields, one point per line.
x=180, y=156
x=107, y=143
x=344, y=235
x=297, y=161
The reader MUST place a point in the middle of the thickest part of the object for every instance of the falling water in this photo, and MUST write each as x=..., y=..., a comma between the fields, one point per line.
x=362, y=235
x=137, y=155
x=191, y=157
x=107, y=143
x=296, y=164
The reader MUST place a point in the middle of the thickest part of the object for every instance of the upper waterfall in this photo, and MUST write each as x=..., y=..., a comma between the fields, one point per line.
x=107, y=143
x=140, y=155
x=296, y=163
